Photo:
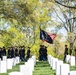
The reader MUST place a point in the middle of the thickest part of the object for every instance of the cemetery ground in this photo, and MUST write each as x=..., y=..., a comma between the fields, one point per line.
x=41, y=68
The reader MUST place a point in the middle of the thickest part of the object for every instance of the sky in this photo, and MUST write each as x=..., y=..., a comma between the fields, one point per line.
x=61, y=31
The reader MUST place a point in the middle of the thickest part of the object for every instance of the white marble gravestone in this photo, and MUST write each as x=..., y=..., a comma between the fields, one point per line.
x=26, y=69
x=4, y=58
x=72, y=61
x=17, y=60
x=54, y=63
x=64, y=69
x=68, y=58
x=14, y=61
x=34, y=58
x=58, y=63
x=0, y=59
x=29, y=70
x=72, y=73
x=9, y=63
x=3, y=67
x=51, y=61
x=23, y=69
x=49, y=58
x=31, y=63
x=15, y=73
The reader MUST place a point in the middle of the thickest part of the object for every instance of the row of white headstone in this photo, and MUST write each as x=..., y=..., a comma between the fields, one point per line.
x=60, y=67
x=6, y=64
x=27, y=68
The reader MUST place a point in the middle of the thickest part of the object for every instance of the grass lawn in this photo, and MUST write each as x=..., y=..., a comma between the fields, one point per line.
x=41, y=68
x=73, y=68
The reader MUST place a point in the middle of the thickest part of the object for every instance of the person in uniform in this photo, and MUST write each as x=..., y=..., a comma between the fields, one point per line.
x=65, y=53
x=16, y=52
x=0, y=53
x=28, y=54
x=45, y=53
x=23, y=51
x=10, y=52
x=41, y=54
x=4, y=51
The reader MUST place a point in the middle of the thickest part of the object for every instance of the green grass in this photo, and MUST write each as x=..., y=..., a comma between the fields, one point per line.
x=73, y=68
x=43, y=68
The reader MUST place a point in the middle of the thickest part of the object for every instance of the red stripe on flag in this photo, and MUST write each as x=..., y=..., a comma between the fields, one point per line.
x=52, y=36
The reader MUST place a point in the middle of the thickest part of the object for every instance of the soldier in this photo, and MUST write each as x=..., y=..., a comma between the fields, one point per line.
x=75, y=54
x=28, y=54
x=0, y=53
x=4, y=51
x=16, y=52
x=65, y=53
x=45, y=53
x=21, y=53
x=41, y=53
x=10, y=52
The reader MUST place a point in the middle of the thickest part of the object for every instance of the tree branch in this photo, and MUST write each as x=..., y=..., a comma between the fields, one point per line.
x=65, y=17
x=72, y=18
x=65, y=5
x=61, y=20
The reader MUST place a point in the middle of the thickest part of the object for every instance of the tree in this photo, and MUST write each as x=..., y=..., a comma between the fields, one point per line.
x=25, y=16
x=66, y=15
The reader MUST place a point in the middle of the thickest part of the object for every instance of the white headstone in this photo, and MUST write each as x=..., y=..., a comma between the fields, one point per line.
x=72, y=61
x=4, y=58
x=14, y=61
x=29, y=71
x=49, y=58
x=23, y=69
x=3, y=67
x=17, y=60
x=31, y=63
x=54, y=63
x=64, y=69
x=51, y=61
x=26, y=69
x=34, y=58
x=58, y=63
x=15, y=73
x=72, y=73
x=9, y=63
x=68, y=58
x=0, y=59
